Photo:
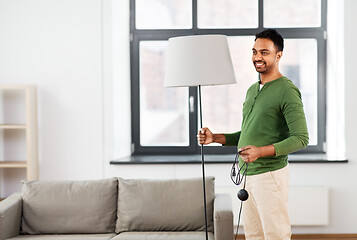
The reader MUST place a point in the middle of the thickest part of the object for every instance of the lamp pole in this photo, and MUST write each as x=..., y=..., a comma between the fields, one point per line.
x=203, y=165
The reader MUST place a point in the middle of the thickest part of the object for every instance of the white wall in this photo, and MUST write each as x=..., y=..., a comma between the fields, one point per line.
x=57, y=45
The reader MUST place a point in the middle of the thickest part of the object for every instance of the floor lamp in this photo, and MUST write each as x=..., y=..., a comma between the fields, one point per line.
x=199, y=60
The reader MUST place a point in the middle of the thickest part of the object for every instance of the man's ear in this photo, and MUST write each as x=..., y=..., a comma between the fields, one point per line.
x=279, y=55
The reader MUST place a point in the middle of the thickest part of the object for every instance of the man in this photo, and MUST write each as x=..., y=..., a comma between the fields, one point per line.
x=273, y=126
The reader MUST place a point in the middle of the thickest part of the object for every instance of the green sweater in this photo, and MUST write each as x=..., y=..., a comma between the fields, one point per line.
x=272, y=115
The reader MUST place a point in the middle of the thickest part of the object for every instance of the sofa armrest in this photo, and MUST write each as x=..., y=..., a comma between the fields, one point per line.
x=10, y=216
x=223, y=217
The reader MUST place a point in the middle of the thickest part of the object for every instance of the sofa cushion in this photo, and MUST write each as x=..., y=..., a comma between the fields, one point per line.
x=163, y=236
x=69, y=206
x=107, y=236
x=164, y=205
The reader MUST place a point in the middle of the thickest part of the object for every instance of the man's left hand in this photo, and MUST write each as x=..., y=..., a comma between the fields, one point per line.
x=250, y=153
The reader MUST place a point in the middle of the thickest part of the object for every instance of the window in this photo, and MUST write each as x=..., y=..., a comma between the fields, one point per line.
x=165, y=120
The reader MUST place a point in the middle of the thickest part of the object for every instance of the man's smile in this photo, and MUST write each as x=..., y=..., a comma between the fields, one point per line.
x=259, y=64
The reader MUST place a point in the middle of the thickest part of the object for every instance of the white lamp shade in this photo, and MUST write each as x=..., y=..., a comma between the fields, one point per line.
x=198, y=60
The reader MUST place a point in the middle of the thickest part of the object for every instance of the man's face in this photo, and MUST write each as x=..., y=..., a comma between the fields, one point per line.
x=265, y=55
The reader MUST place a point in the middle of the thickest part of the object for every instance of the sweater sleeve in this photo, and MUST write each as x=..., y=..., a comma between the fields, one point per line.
x=294, y=115
x=232, y=138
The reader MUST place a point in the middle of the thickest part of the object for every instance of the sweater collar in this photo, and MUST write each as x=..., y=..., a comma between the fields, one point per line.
x=275, y=80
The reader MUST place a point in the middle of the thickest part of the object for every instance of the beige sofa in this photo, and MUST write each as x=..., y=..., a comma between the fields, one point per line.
x=116, y=209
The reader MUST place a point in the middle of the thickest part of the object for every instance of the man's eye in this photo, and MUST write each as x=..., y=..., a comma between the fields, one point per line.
x=264, y=53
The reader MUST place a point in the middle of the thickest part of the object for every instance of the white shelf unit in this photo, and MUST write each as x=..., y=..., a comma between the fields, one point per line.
x=27, y=127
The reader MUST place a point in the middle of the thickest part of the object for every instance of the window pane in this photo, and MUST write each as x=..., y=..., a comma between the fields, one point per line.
x=222, y=105
x=227, y=13
x=299, y=64
x=163, y=14
x=292, y=13
x=163, y=111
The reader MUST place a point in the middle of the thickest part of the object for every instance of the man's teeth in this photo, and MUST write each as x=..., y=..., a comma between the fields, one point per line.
x=259, y=64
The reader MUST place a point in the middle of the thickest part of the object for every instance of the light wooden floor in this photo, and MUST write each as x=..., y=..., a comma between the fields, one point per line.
x=318, y=237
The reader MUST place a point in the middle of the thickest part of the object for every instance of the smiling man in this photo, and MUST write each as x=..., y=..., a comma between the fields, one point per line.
x=273, y=126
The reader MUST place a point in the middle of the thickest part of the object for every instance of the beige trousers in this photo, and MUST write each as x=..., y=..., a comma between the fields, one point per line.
x=265, y=213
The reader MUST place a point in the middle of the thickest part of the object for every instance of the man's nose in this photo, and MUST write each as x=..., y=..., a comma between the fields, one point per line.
x=257, y=57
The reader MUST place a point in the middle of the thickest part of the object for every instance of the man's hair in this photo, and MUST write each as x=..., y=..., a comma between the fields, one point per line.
x=272, y=35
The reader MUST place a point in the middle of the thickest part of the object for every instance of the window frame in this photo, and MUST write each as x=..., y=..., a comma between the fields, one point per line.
x=138, y=35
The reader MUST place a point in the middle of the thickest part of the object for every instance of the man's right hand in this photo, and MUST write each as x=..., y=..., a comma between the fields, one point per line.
x=204, y=136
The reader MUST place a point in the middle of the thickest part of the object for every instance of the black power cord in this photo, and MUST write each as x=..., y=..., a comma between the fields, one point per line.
x=237, y=176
